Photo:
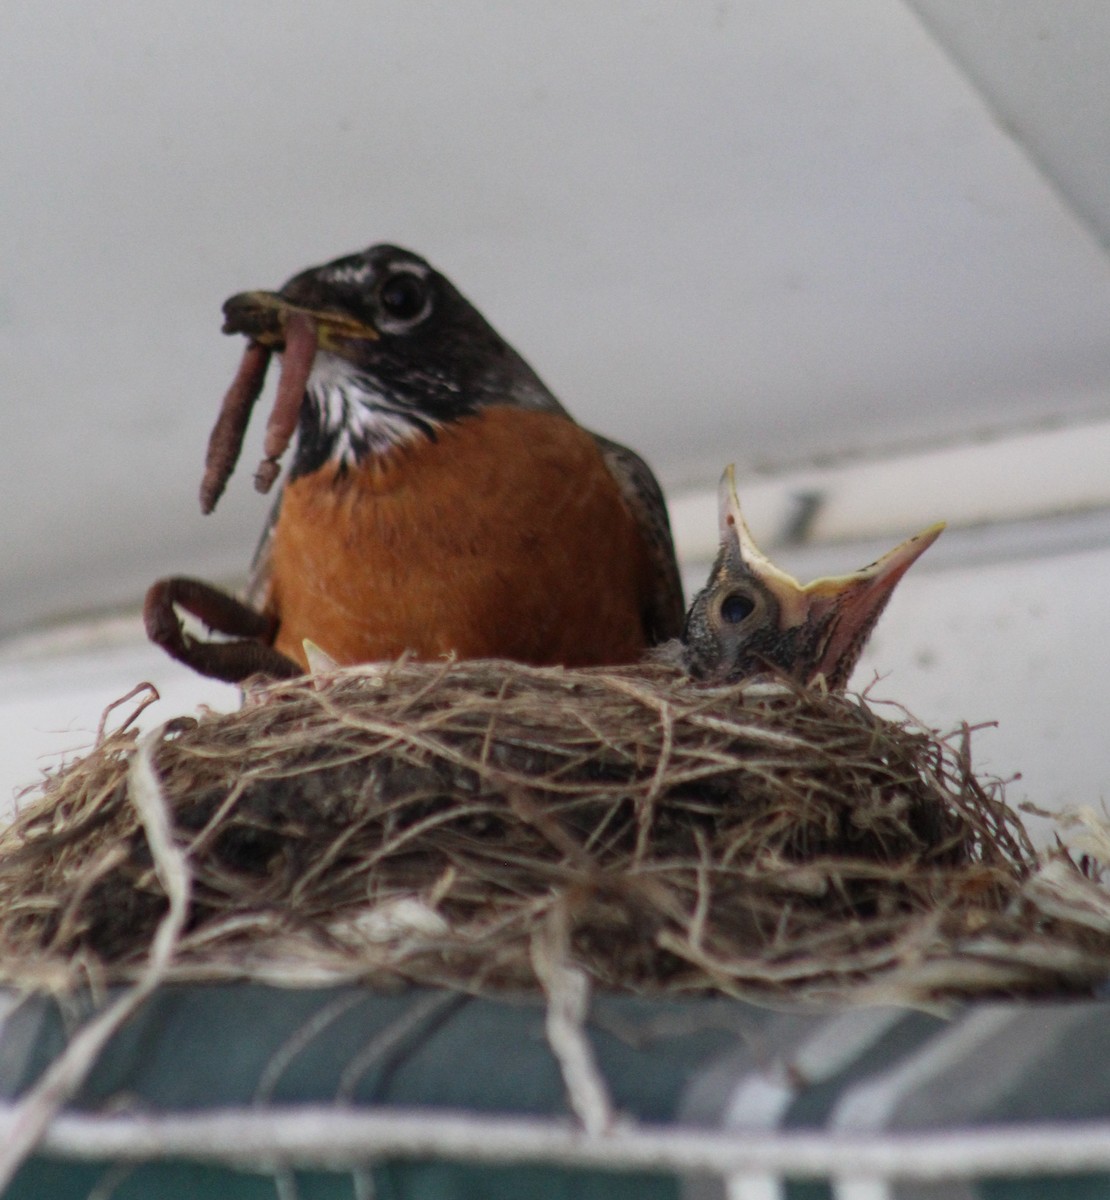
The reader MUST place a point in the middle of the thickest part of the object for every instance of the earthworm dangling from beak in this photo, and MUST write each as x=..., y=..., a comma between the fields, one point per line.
x=226, y=439
x=296, y=366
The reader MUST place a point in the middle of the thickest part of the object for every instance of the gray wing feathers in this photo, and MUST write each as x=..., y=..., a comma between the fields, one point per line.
x=257, y=592
x=664, y=608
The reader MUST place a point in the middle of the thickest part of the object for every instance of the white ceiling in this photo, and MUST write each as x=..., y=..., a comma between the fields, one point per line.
x=765, y=231
x=1044, y=68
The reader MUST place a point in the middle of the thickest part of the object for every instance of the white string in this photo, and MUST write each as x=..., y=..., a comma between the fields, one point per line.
x=344, y=1139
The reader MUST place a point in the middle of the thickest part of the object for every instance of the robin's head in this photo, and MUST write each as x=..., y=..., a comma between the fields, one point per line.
x=400, y=352
x=752, y=617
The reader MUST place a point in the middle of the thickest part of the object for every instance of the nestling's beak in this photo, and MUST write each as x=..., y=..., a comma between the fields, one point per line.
x=846, y=607
x=753, y=615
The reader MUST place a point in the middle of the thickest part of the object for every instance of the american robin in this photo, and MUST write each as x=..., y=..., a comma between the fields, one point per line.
x=439, y=500
x=752, y=617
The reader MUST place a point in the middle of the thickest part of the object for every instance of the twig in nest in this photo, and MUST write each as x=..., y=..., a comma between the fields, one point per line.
x=568, y=1002
x=150, y=698
x=778, y=843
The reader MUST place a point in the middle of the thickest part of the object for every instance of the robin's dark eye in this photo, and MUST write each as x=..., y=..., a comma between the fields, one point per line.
x=736, y=608
x=403, y=296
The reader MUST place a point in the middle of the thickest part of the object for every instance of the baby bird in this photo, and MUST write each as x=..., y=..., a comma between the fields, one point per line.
x=752, y=617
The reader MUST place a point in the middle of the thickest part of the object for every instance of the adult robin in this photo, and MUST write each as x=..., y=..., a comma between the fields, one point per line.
x=440, y=499
x=753, y=617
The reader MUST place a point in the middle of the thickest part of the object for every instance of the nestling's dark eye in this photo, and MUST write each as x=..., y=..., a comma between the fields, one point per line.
x=736, y=608
x=403, y=295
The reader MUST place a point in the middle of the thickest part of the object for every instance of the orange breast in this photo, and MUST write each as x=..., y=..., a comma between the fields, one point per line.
x=507, y=537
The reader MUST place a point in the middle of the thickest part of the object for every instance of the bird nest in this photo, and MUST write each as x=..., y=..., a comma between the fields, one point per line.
x=468, y=823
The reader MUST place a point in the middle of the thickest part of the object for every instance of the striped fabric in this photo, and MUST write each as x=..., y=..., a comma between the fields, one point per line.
x=694, y=1067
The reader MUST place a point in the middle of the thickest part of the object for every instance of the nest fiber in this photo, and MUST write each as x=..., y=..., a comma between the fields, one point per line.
x=444, y=823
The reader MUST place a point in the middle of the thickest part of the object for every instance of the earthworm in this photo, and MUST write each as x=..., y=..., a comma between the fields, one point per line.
x=296, y=365
x=226, y=439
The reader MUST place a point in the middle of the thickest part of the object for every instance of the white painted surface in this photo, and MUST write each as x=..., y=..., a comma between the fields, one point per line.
x=55, y=687
x=988, y=483
x=1022, y=643
x=1042, y=67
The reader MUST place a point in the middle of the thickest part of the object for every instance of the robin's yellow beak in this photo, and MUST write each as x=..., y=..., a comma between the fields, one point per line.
x=263, y=316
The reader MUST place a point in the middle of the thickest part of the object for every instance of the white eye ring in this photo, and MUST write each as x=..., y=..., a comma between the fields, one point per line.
x=404, y=298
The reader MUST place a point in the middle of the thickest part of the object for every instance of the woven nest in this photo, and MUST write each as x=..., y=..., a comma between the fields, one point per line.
x=446, y=823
